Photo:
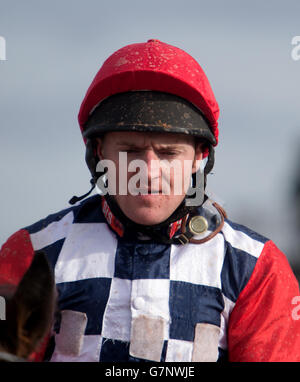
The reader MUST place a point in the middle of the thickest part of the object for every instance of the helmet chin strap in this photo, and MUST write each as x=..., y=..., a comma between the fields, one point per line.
x=195, y=193
x=91, y=160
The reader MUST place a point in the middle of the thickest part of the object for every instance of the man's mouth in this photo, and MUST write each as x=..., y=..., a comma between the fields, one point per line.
x=147, y=192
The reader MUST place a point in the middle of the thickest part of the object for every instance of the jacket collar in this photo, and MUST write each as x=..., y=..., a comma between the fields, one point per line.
x=177, y=229
x=126, y=228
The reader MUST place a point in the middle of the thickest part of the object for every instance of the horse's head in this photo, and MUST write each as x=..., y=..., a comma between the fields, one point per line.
x=29, y=309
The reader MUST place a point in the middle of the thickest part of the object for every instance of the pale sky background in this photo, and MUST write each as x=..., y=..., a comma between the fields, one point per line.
x=54, y=49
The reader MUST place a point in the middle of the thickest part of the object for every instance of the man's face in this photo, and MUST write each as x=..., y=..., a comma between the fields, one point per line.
x=162, y=187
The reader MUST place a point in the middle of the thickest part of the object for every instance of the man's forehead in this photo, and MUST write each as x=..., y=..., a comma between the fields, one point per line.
x=130, y=137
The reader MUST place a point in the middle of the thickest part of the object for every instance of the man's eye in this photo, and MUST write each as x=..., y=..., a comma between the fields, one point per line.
x=168, y=153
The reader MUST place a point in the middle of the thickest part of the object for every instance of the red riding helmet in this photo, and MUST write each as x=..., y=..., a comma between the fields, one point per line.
x=153, y=66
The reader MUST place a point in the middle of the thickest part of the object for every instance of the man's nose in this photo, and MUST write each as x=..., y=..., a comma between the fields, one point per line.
x=152, y=164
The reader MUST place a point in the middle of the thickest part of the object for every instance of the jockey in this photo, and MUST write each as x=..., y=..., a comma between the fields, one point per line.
x=150, y=268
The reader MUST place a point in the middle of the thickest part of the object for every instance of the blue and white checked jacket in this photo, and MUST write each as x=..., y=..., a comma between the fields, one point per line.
x=138, y=300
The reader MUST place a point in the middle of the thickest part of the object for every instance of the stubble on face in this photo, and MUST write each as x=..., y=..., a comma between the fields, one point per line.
x=154, y=206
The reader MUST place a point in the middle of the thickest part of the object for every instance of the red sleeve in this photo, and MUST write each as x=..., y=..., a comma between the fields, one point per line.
x=16, y=255
x=263, y=326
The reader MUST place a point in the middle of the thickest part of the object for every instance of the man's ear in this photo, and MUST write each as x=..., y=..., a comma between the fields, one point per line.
x=199, y=146
x=99, y=148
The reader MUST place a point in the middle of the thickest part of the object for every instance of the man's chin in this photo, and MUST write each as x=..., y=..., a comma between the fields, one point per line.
x=148, y=209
